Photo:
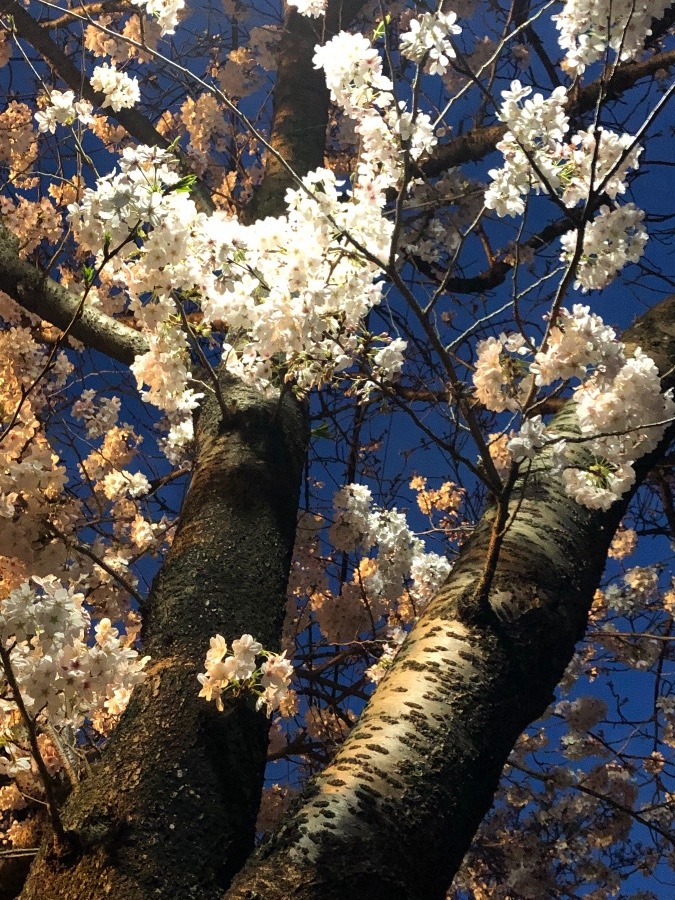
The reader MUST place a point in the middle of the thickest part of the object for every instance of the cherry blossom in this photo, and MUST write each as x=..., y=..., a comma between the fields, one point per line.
x=63, y=109
x=428, y=38
x=589, y=27
x=237, y=673
x=121, y=91
x=167, y=12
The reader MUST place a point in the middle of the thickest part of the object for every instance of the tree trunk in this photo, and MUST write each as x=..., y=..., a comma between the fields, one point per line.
x=395, y=812
x=170, y=810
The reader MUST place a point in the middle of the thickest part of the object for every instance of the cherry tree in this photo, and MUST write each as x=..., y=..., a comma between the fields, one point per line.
x=337, y=361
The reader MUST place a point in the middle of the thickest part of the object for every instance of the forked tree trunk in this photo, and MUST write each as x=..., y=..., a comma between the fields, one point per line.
x=395, y=812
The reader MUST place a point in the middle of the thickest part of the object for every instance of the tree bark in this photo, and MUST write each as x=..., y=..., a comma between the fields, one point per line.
x=395, y=812
x=170, y=810
x=40, y=295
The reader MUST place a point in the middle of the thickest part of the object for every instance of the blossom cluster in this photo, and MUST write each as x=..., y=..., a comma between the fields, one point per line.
x=121, y=90
x=621, y=410
x=640, y=589
x=236, y=671
x=63, y=109
x=100, y=416
x=138, y=195
x=589, y=27
x=167, y=12
x=537, y=157
x=144, y=199
x=390, y=648
x=386, y=128
x=428, y=39
x=45, y=628
x=391, y=577
x=402, y=558
x=613, y=239
x=295, y=287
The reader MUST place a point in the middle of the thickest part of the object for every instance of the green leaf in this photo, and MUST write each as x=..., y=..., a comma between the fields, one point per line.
x=184, y=186
x=88, y=273
x=322, y=431
x=381, y=29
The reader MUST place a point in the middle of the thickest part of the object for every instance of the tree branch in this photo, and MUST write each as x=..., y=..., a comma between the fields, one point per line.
x=395, y=812
x=42, y=296
x=477, y=143
x=134, y=122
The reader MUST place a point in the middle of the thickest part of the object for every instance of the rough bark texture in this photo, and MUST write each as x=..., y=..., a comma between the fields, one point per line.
x=395, y=812
x=300, y=116
x=170, y=811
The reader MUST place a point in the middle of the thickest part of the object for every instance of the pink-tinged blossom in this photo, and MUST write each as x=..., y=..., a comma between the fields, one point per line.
x=599, y=486
x=428, y=38
x=99, y=416
x=605, y=154
x=498, y=377
x=403, y=564
x=579, y=339
x=237, y=673
x=245, y=650
x=119, y=484
x=378, y=670
x=388, y=361
x=353, y=70
x=277, y=672
x=621, y=411
x=628, y=413
x=61, y=675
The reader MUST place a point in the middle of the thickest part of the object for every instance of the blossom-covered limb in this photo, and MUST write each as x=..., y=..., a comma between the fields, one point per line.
x=478, y=142
x=41, y=296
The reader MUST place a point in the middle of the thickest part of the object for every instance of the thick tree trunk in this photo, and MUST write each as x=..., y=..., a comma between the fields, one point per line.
x=170, y=811
x=395, y=812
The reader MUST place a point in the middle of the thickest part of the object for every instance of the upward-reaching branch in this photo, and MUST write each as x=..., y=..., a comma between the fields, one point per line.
x=396, y=810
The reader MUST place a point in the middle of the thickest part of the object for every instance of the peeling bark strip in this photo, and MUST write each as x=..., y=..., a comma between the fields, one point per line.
x=395, y=812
